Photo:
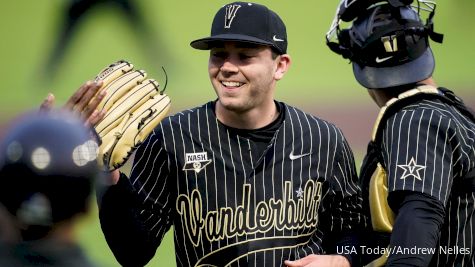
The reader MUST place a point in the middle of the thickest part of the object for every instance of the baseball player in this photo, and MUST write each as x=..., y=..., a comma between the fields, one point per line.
x=245, y=180
x=47, y=169
x=423, y=143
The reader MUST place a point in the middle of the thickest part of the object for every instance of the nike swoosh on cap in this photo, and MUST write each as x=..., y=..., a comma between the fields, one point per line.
x=380, y=60
x=277, y=39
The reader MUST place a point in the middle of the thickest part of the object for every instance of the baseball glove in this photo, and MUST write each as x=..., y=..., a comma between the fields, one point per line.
x=134, y=106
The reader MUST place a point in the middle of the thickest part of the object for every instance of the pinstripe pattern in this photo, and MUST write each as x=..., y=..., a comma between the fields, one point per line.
x=427, y=147
x=229, y=206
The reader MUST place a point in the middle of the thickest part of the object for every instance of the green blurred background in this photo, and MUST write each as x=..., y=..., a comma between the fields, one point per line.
x=319, y=81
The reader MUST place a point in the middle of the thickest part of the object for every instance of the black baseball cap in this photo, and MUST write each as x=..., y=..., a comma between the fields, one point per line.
x=410, y=62
x=246, y=22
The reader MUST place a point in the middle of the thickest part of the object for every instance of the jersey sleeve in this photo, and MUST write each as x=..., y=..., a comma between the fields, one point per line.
x=345, y=217
x=149, y=179
x=347, y=205
x=417, y=152
x=136, y=213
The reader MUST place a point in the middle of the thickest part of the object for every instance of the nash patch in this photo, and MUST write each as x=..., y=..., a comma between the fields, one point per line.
x=196, y=161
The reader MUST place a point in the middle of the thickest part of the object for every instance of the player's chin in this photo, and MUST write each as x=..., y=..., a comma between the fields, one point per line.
x=231, y=104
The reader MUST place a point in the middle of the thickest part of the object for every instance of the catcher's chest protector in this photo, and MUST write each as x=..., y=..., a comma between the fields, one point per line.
x=373, y=174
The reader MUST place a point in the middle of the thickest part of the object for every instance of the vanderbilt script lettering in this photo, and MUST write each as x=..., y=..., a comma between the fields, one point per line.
x=227, y=222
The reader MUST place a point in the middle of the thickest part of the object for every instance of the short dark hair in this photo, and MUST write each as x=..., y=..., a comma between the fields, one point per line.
x=275, y=53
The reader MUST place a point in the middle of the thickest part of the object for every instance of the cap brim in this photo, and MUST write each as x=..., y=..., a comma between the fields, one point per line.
x=209, y=42
x=410, y=72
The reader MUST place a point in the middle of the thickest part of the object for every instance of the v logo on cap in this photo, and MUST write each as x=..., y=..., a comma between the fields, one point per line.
x=255, y=24
x=230, y=14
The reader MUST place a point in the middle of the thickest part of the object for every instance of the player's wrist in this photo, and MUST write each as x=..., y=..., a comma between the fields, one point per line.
x=114, y=177
x=341, y=260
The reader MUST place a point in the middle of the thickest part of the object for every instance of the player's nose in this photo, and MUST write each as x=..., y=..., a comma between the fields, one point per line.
x=229, y=66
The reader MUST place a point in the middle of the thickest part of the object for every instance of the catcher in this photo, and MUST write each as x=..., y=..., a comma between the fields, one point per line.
x=245, y=180
x=419, y=173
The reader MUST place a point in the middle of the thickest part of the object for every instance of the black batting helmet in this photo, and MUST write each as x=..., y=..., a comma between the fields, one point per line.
x=47, y=168
x=388, y=44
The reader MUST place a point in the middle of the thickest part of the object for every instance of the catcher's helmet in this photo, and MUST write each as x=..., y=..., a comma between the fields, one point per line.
x=388, y=45
x=47, y=168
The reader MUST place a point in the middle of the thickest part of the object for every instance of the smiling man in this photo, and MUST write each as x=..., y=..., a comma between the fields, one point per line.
x=245, y=180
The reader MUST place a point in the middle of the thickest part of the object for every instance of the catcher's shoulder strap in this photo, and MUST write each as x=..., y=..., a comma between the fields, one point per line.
x=412, y=96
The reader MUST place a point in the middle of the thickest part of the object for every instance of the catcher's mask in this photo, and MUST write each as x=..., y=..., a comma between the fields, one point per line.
x=47, y=169
x=387, y=41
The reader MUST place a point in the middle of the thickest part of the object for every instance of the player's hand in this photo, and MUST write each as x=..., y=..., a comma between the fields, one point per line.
x=319, y=261
x=82, y=103
x=48, y=103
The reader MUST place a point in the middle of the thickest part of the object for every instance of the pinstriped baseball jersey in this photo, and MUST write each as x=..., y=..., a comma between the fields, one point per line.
x=230, y=207
x=428, y=147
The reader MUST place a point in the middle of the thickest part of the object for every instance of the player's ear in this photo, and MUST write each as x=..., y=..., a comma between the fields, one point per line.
x=283, y=64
